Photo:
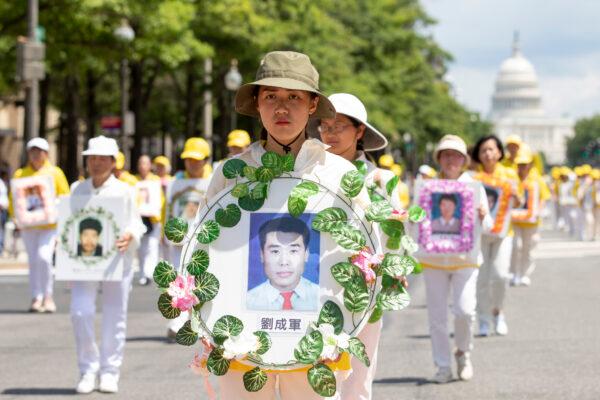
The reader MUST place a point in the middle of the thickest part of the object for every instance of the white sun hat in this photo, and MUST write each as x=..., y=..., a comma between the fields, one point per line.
x=38, y=143
x=451, y=142
x=102, y=146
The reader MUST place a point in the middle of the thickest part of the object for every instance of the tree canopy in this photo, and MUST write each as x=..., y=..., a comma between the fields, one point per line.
x=584, y=147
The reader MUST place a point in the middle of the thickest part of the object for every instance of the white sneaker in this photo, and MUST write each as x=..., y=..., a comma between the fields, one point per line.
x=109, y=383
x=484, y=328
x=525, y=281
x=500, y=325
x=87, y=384
x=515, y=281
x=443, y=375
x=464, y=367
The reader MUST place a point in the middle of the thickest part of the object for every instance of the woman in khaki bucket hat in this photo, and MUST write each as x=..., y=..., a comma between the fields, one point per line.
x=285, y=96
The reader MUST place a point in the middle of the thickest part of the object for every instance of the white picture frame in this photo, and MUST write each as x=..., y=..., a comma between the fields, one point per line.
x=34, y=201
x=148, y=196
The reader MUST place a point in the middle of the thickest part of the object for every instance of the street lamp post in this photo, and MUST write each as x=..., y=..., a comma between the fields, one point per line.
x=429, y=149
x=408, y=145
x=233, y=81
x=126, y=35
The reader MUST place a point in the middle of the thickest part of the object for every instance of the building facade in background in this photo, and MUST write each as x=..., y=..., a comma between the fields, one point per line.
x=517, y=109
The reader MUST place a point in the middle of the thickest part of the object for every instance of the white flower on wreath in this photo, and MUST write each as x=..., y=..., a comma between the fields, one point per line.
x=332, y=342
x=239, y=346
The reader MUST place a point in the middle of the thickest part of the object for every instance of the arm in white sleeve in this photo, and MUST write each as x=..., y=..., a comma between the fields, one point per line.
x=135, y=226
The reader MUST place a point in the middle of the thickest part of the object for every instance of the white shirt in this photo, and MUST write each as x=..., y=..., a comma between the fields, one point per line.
x=265, y=297
x=3, y=195
x=116, y=188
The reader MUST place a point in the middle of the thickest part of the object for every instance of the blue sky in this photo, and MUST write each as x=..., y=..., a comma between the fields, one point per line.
x=560, y=38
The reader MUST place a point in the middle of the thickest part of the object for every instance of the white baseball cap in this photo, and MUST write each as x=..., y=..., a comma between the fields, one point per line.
x=39, y=143
x=102, y=146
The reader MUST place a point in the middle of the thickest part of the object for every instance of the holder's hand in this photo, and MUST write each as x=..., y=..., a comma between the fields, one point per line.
x=123, y=242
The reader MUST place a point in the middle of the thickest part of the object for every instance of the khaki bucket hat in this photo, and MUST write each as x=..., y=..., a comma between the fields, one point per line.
x=287, y=70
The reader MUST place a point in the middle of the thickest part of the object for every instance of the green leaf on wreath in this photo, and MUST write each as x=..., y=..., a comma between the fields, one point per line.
x=264, y=341
x=165, y=307
x=198, y=262
x=309, y=349
x=164, y=274
x=391, y=185
x=305, y=189
x=349, y=238
x=388, y=281
x=409, y=244
x=271, y=160
x=249, y=173
x=207, y=287
x=249, y=204
x=397, y=265
x=361, y=166
x=175, y=229
x=322, y=380
x=240, y=190
x=228, y=216
x=329, y=219
x=379, y=211
x=287, y=162
x=373, y=195
x=356, y=295
x=226, y=326
x=358, y=350
x=255, y=379
x=264, y=174
x=352, y=183
x=393, y=243
x=233, y=168
x=331, y=314
x=208, y=231
x=392, y=228
x=259, y=191
x=416, y=214
x=418, y=268
x=296, y=205
x=216, y=363
x=393, y=298
x=185, y=335
x=375, y=315
x=344, y=272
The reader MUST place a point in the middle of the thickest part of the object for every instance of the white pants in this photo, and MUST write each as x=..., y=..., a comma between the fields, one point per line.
x=493, y=274
x=596, y=230
x=175, y=258
x=39, y=244
x=438, y=283
x=524, y=241
x=114, y=323
x=290, y=386
x=588, y=222
x=359, y=384
x=571, y=214
x=148, y=251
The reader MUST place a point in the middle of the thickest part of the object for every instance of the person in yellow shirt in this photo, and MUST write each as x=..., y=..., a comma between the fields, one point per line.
x=148, y=252
x=121, y=173
x=238, y=141
x=40, y=240
x=162, y=169
x=526, y=233
x=585, y=195
x=513, y=143
x=400, y=195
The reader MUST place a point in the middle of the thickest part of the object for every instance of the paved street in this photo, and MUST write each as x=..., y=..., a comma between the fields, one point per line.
x=552, y=351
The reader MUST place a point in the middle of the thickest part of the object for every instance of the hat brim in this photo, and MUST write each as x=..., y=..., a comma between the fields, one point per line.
x=373, y=140
x=245, y=102
x=193, y=154
x=436, y=153
x=98, y=153
x=238, y=143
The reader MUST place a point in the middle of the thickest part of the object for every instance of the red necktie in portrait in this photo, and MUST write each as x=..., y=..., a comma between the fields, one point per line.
x=287, y=300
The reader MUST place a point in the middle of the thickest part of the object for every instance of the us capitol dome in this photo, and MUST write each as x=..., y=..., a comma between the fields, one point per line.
x=517, y=108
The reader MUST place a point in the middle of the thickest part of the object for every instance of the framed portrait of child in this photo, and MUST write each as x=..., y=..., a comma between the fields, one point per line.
x=34, y=201
x=88, y=228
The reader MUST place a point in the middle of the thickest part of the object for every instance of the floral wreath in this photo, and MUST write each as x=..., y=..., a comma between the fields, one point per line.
x=461, y=243
x=371, y=282
x=97, y=212
x=529, y=213
x=501, y=222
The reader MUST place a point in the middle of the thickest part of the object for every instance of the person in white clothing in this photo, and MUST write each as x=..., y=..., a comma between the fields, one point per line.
x=284, y=96
x=106, y=361
x=453, y=274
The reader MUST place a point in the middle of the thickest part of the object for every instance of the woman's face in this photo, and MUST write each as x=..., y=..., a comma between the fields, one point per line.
x=489, y=153
x=283, y=112
x=451, y=163
x=341, y=134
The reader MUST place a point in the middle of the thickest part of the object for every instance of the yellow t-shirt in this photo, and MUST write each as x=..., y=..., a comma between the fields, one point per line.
x=61, y=186
x=128, y=178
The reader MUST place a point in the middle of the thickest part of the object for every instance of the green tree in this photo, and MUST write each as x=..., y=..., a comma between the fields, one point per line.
x=584, y=147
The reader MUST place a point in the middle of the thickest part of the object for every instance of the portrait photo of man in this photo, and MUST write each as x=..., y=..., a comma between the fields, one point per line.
x=448, y=222
x=284, y=254
x=188, y=205
x=89, y=238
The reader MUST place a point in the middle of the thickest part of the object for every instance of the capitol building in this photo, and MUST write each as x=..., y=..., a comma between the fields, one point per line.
x=517, y=109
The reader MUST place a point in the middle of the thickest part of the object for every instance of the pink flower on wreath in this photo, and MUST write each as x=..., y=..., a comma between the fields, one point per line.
x=399, y=215
x=366, y=260
x=181, y=291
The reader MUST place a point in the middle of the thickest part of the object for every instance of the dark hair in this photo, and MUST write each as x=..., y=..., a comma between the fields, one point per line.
x=492, y=193
x=90, y=223
x=481, y=141
x=447, y=196
x=286, y=225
